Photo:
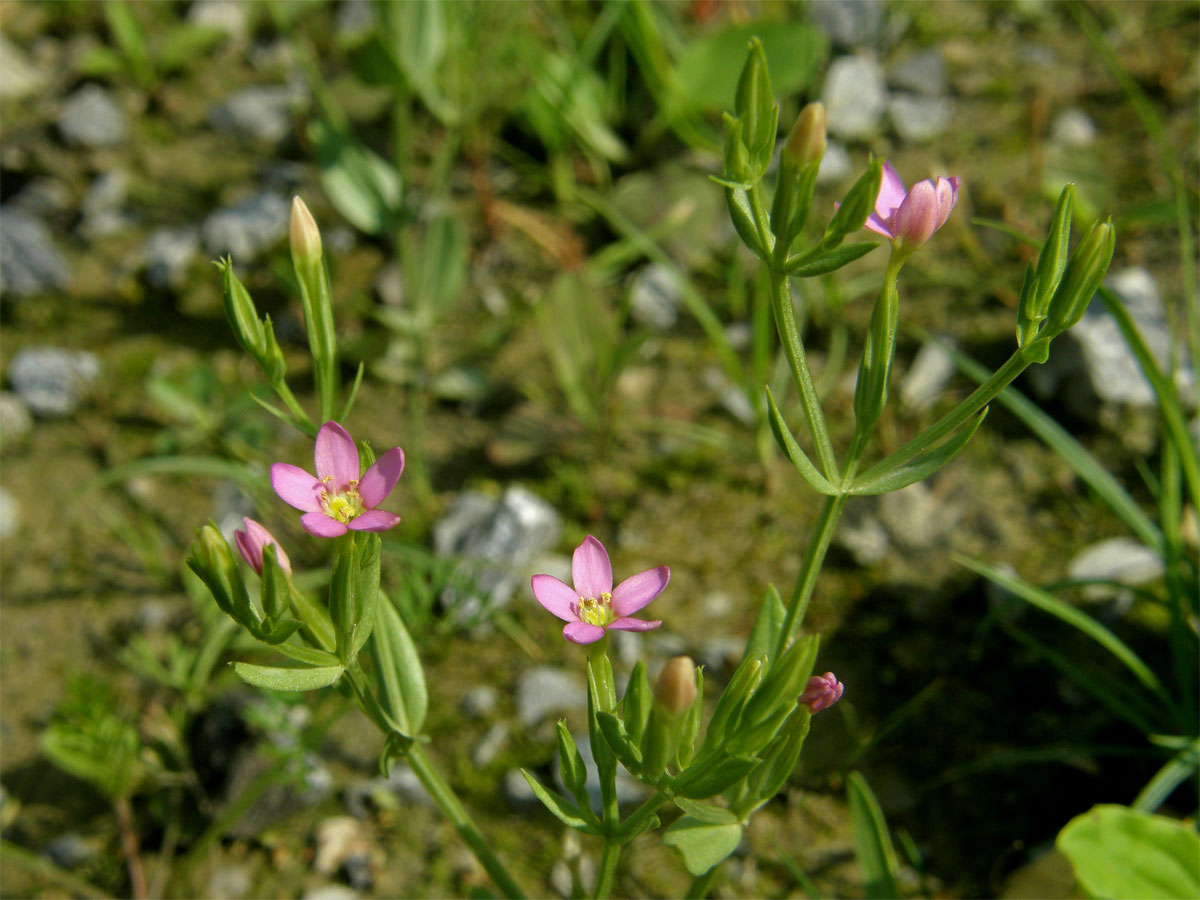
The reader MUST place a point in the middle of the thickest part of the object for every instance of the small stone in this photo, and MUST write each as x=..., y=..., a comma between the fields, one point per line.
x=18, y=78
x=918, y=119
x=561, y=878
x=917, y=518
x=496, y=541
x=69, y=851
x=354, y=18
x=863, y=536
x=921, y=73
x=404, y=783
x=227, y=15
x=1073, y=128
x=851, y=23
x=45, y=196
x=1119, y=559
x=480, y=701
x=167, y=254
x=546, y=690
x=331, y=892
x=247, y=228
x=91, y=118
x=229, y=882
x=855, y=96
x=52, y=381
x=102, y=204
x=389, y=285
x=337, y=839
x=358, y=872
x=30, y=263
x=835, y=164
x=927, y=377
x=490, y=746
x=654, y=297
x=518, y=791
x=15, y=419
x=731, y=397
x=261, y=112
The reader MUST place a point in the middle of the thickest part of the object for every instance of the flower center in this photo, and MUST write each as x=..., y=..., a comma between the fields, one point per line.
x=596, y=612
x=342, y=505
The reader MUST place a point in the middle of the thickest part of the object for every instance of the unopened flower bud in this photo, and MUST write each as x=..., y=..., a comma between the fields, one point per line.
x=251, y=543
x=213, y=561
x=305, y=236
x=676, y=688
x=241, y=312
x=821, y=692
x=1085, y=271
x=806, y=143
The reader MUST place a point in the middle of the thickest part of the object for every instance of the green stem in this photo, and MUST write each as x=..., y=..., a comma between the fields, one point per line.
x=701, y=884
x=953, y=420
x=453, y=810
x=633, y=824
x=806, y=580
x=608, y=869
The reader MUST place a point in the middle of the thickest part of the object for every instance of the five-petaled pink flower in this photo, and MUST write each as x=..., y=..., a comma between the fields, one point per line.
x=252, y=541
x=911, y=217
x=594, y=605
x=821, y=692
x=338, y=499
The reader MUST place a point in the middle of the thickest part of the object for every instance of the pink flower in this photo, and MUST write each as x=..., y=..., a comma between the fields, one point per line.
x=822, y=691
x=337, y=499
x=252, y=541
x=593, y=606
x=911, y=217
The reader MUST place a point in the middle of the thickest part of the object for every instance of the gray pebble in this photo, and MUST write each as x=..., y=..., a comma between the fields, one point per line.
x=69, y=851
x=102, y=204
x=1119, y=559
x=855, y=96
x=227, y=15
x=850, y=23
x=247, y=228
x=30, y=263
x=91, y=118
x=927, y=377
x=260, y=112
x=490, y=746
x=52, y=381
x=918, y=119
x=654, y=297
x=546, y=690
x=835, y=164
x=167, y=254
x=1073, y=128
x=479, y=702
x=921, y=73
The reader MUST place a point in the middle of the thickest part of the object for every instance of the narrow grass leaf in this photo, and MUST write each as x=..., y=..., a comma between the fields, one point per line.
x=872, y=843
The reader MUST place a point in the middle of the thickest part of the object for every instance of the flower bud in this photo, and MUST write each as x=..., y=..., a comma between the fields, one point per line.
x=251, y=543
x=1085, y=271
x=821, y=692
x=806, y=143
x=241, y=312
x=213, y=561
x=754, y=105
x=676, y=688
x=305, y=236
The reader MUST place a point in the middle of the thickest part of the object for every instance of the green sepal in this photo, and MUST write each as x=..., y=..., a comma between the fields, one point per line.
x=636, y=704
x=274, y=593
x=690, y=730
x=741, y=686
x=619, y=742
x=283, y=679
x=659, y=742
x=1038, y=351
x=571, y=765
x=743, y=220
x=1029, y=317
x=1052, y=260
x=1085, y=271
x=778, y=691
x=395, y=747
x=598, y=684
x=794, y=452
x=768, y=623
x=756, y=108
x=241, y=312
x=702, y=845
x=806, y=265
x=858, y=204
x=560, y=807
x=213, y=562
x=922, y=466
x=714, y=779
x=735, y=163
x=272, y=362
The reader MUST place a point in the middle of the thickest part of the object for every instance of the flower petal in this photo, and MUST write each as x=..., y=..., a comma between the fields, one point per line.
x=878, y=225
x=374, y=520
x=947, y=194
x=582, y=632
x=336, y=455
x=637, y=590
x=558, y=598
x=591, y=569
x=635, y=624
x=320, y=525
x=379, y=480
x=917, y=218
x=251, y=543
x=891, y=193
x=296, y=487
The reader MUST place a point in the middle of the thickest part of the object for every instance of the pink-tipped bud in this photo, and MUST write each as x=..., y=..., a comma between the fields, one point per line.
x=676, y=688
x=806, y=143
x=305, y=236
x=822, y=691
x=251, y=543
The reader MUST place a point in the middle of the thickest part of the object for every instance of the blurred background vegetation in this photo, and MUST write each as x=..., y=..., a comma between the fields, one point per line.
x=555, y=320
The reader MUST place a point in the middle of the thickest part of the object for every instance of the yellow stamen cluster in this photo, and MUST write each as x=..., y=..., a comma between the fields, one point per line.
x=596, y=611
x=343, y=505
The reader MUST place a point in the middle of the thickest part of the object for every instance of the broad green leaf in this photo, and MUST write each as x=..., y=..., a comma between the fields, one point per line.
x=398, y=670
x=278, y=679
x=701, y=844
x=709, y=68
x=920, y=468
x=364, y=189
x=562, y=808
x=872, y=843
x=787, y=443
x=1124, y=854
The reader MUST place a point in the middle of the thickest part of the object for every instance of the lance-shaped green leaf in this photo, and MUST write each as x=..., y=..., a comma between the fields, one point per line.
x=764, y=635
x=637, y=703
x=562, y=808
x=857, y=205
x=691, y=725
x=364, y=602
x=875, y=369
x=618, y=740
x=363, y=187
x=741, y=686
x=274, y=593
x=793, y=451
x=398, y=672
x=809, y=265
x=778, y=760
x=783, y=683
x=701, y=844
x=1052, y=261
x=310, y=656
x=279, y=679
x=922, y=466
x=735, y=163
x=1125, y=854
x=571, y=765
x=703, y=812
x=699, y=782
x=872, y=843
x=743, y=222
